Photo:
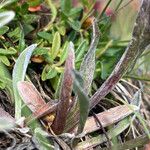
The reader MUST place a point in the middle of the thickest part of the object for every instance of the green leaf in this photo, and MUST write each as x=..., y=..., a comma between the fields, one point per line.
x=66, y=6
x=40, y=51
x=9, y=51
x=48, y=72
x=85, y=2
x=30, y=18
x=72, y=36
x=45, y=35
x=53, y=10
x=74, y=11
x=19, y=73
x=56, y=45
x=44, y=143
x=5, y=79
x=21, y=42
x=4, y=71
x=15, y=33
x=80, y=50
x=34, y=3
x=5, y=60
x=3, y=30
x=76, y=25
x=2, y=85
x=61, y=29
x=83, y=100
x=27, y=28
x=6, y=83
x=64, y=54
x=58, y=86
x=107, y=66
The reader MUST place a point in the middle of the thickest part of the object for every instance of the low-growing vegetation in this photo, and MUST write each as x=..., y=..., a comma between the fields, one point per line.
x=74, y=74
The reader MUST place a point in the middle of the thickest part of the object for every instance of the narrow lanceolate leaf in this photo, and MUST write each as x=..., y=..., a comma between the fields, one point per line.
x=89, y=59
x=55, y=45
x=83, y=100
x=65, y=93
x=33, y=99
x=108, y=117
x=139, y=42
x=87, y=70
x=19, y=73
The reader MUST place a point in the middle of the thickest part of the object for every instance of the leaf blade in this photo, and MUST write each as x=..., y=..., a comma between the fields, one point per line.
x=18, y=74
x=83, y=100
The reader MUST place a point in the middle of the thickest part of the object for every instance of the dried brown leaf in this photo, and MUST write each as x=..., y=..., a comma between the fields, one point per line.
x=108, y=117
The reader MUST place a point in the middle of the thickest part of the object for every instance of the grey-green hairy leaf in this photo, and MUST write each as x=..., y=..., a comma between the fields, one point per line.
x=88, y=64
x=6, y=17
x=19, y=73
